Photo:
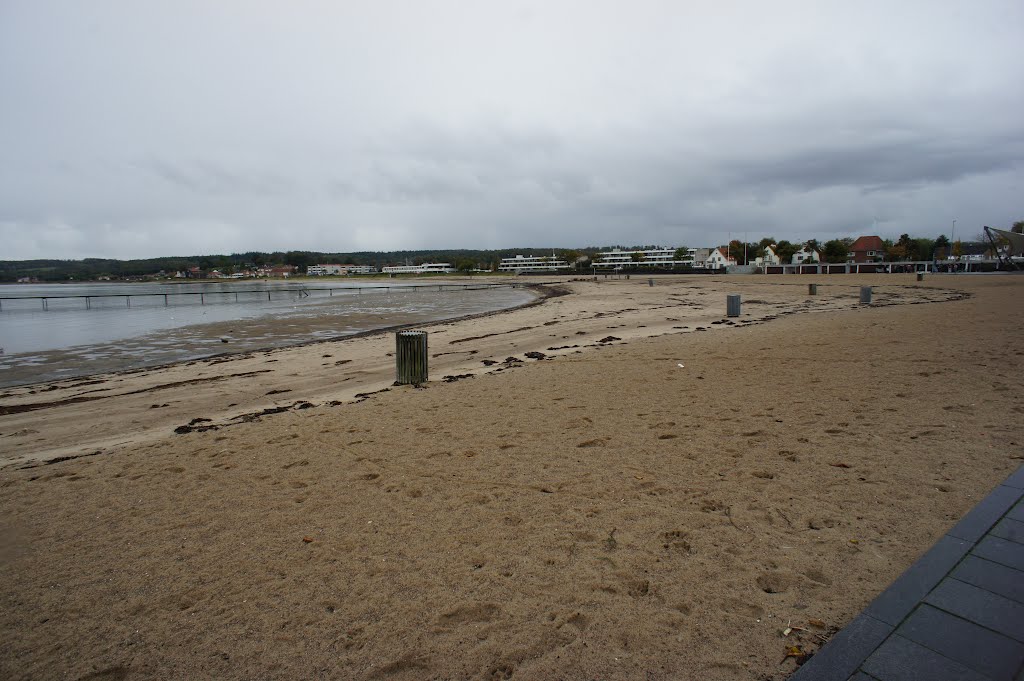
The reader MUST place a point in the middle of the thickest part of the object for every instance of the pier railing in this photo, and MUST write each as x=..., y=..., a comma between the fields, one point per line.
x=170, y=298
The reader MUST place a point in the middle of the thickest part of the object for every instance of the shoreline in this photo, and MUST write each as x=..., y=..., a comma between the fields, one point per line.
x=662, y=505
x=537, y=289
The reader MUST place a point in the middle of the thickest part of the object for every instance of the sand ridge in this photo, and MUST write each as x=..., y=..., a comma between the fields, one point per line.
x=606, y=514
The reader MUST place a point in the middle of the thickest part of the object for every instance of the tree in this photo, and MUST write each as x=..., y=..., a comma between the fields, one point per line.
x=958, y=249
x=1018, y=227
x=836, y=250
x=682, y=253
x=785, y=251
x=464, y=265
x=637, y=256
x=571, y=257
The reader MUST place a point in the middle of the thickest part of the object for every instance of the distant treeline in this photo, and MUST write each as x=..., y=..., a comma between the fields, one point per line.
x=94, y=268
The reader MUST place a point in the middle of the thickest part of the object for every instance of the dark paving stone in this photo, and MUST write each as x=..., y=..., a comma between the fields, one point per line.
x=973, y=646
x=899, y=659
x=990, y=576
x=979, y=606
x=1017, y=513
x=998, y=550
x=1016, y=478
x=1011, y=529
x=988, y=511
x=896, y=602
x=841, y=656
x=861, y=676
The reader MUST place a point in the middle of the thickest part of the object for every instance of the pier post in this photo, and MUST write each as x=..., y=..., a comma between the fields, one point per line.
x=812, y=289
x=865, y=295
x=410, y=357
x=732, y=305
x=650, y=282
x=165, y=300
x=920, y=276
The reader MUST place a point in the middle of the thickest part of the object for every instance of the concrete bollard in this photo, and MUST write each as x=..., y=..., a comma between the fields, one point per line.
x=920, y=276
x=732, y=305
x=865, y=295
x=812, y=289
x=411, y=357
x=650, y=282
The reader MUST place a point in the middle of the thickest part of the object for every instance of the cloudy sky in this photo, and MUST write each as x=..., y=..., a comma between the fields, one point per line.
x=173, y=127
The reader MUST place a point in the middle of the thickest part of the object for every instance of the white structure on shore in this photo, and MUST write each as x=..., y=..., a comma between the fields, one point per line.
x=719, y=259
x=328, y=270
x=806, y=255
x=425, y=268
x=653, y=257
x=532, y=263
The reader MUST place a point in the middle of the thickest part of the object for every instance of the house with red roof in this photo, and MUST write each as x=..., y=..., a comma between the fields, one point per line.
x=719, y=259
x=866, y=249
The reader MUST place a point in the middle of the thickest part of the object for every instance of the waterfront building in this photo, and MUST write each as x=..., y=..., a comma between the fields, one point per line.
x=336, y=270
x=532, y=263
x=651, y=258
x=425, y=268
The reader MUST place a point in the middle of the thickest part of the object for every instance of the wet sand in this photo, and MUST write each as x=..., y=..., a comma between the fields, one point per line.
x=638, y=498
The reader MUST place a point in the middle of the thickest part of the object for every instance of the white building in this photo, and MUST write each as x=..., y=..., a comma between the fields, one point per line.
x=805, y=255
x=654, y=257
x=335, y=270
x=719, y=260
x=532, y=263
x=769, y=257
x=425, y=268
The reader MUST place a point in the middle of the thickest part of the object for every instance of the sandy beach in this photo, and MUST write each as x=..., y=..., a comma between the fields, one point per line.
x=618, y=482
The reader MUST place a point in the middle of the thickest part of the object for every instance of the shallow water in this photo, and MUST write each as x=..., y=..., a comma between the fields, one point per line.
x=68, y=339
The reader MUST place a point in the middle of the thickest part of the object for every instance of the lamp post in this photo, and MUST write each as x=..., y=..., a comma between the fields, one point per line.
x=952, y=239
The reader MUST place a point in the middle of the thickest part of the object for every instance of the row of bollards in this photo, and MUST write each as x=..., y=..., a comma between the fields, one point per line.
x=411, y=346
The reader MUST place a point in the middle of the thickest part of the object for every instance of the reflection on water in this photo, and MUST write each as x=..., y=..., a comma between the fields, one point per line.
x=71, y=339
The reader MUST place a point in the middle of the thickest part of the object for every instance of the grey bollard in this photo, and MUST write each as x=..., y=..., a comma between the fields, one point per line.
x=812, y=289
x=732, y=305
x=865, y=295
x=410, y=357
x=650, y=282
x=920, y=276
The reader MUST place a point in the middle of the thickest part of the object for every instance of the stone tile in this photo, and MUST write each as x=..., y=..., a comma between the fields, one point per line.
x=989, y=510
x=896, y=602
x=990, y=576
x=1011, y=529
x=979, y=606
x=841, y=656
x=1017, y=512
x=998, y=550
x=973, y=646
x=861, y=676
x=899, y=659
x=1016, y=478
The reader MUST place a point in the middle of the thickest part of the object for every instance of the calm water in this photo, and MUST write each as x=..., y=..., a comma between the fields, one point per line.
x=71, y=339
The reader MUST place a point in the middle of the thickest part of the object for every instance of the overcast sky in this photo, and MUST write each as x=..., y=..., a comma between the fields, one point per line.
x=174, y=127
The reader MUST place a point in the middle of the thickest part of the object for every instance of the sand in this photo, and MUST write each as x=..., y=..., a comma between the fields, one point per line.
x=645, y=501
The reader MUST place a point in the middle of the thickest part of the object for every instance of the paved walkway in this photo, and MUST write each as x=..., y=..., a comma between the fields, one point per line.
x=957, y=613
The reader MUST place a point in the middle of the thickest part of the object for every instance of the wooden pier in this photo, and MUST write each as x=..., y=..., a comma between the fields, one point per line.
x=212, y=297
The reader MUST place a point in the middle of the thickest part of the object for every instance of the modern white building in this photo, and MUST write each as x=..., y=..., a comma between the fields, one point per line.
x=532, y=263
x=425, y=268
x=653, y=257
x=335, y=270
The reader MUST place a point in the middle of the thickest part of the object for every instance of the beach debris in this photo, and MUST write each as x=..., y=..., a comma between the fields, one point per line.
x=681, y=366
x=840, y=464
x=488, y=362
x=222, y=340
x=512, y=360
x=608, y=339
x=452, y=379
x=278, y=391
x=610, y=543
x=798, y=653
x=816, y=623
x=307, y=540
x=536, y=355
